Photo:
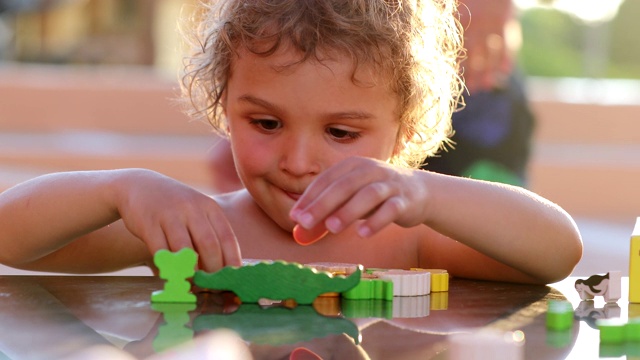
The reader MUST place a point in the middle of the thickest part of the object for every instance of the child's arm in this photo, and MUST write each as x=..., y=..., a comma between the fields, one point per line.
x=509, y=224
x=69, y=222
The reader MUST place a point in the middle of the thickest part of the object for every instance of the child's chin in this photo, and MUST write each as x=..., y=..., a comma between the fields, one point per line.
x=284, y=223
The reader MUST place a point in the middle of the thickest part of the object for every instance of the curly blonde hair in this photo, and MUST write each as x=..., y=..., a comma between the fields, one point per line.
x=418, y=43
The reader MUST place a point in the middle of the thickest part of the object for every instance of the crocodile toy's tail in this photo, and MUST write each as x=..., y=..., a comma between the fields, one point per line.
x=349, y=282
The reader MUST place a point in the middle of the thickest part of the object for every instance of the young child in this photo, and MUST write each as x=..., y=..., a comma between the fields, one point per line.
x=329, y=107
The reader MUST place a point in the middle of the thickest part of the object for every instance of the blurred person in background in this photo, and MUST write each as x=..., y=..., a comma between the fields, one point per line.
x=493, y=132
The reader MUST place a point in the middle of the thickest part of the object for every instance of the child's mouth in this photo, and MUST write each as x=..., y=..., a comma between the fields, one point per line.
x=294, y=196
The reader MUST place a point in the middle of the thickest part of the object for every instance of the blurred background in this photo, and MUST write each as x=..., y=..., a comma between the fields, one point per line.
x=91, y=84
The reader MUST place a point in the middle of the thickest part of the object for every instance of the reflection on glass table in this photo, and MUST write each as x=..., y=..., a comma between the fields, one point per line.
x=60, y=316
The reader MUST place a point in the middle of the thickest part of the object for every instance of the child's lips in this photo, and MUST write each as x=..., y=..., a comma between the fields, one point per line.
x=294, y=196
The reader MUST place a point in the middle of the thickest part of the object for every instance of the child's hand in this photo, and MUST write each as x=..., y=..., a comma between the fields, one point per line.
x=360, y=188
x=167, y=214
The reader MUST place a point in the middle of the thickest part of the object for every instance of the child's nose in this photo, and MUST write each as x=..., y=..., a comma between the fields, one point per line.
x=301, y=157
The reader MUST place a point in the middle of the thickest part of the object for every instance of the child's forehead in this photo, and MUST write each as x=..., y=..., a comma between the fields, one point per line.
x=286, y=59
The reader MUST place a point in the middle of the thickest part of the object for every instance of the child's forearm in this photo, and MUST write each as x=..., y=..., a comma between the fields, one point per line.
x=44, y=214
x=509, y=224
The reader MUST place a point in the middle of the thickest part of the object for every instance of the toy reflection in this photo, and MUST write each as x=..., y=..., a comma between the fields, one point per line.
x=587, y=312
x=270, y=329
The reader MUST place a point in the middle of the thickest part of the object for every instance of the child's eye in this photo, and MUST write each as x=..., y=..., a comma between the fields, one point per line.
x=266, y=124
x=342, y=134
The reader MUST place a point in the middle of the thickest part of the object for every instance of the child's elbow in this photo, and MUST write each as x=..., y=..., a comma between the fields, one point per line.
x=12, y=256
x=10, y=260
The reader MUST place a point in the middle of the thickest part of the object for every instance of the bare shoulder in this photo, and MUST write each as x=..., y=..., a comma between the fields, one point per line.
x=239, y=206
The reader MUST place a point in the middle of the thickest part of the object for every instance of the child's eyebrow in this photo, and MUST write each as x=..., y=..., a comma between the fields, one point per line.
x=355, y=114
x=260, y=102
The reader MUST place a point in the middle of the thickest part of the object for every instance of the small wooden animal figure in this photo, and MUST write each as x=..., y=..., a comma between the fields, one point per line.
x=279, y=280
x=608, y=286
x=176, y=268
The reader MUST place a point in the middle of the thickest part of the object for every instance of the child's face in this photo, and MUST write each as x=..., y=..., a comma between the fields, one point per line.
x=289, y=124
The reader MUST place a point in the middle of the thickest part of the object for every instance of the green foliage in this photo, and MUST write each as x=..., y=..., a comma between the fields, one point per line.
x=624, y=44
x=554, y=42
x=551, y=44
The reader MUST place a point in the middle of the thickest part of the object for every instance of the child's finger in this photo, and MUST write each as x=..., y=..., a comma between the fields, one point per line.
x=155, y=239
x=386, y=214
x=227, y=240
x=365, y=202
x=207, y=245
x=321, y=183
x=176, y=235
x=322, y=200
x=308, y=236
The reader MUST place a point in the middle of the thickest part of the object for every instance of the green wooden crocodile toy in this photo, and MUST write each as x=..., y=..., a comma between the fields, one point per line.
x=278, y=280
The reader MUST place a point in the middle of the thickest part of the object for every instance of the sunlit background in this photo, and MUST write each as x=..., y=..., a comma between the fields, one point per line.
x=91, y=84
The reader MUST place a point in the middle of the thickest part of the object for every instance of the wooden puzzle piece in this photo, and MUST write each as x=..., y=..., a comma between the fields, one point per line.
x=613, y=331
x=302, y=353
x=176, y=268
x=619, y=338
x=608, y=286
x=559, y=315
x=407, y=282
x=334, y=268
x=307, y=237
x=371, y=289
x=439, y=279
x=279, y=280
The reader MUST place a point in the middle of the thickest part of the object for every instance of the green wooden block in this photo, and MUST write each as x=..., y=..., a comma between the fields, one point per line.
x=371, y=289
x=612, y=331
x=632, y=330
x=559, y=315
x=372, y=270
